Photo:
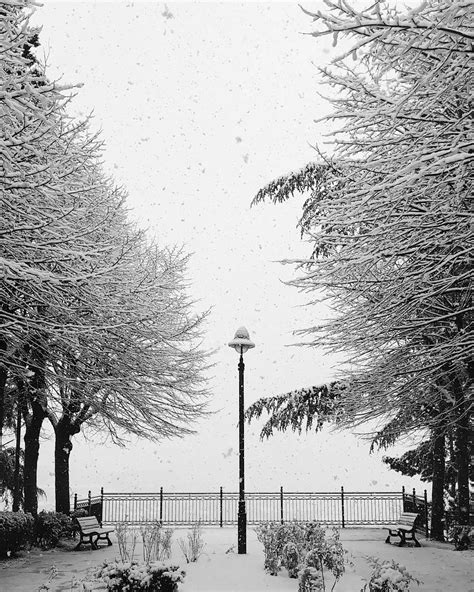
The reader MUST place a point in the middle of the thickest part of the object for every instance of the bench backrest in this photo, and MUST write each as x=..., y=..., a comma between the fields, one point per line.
x=88, y=522
x=407, y=519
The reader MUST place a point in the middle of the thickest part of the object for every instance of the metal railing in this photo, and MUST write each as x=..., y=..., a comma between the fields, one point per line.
x=92, y=504
x=219, y=508
x=418, y=504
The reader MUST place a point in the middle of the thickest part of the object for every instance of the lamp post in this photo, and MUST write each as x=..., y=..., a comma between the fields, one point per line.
x=241, y=343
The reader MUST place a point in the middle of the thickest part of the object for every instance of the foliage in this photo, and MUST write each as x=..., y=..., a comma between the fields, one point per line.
x=414, y=462
x=51, y=527
x=16, y=532
x=156, y=542
x=291, y=559
x=193, y=545
x=327, y=549
x=310, y=580
x=388, y=576
x=7, y=476
x=140, y=577
x=272, y=536
x=302, y=548
x=79, y=513
x=306, y=408
x=419, y=461
x=148, y=576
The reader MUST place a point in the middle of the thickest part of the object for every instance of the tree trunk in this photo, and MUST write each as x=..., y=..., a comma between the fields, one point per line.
x=452, y=481
x=30, y=469
x=63, y=446
x=38, y=402
x=437, y=491
x=16, y=482
x=3, y=382
x=462, y=464
x=462, y=452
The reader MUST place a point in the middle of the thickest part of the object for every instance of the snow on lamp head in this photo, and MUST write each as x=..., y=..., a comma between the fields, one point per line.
x=241, y=342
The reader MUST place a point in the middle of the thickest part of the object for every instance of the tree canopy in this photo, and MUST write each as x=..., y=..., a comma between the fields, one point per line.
x=389, y=219
x=96, y=326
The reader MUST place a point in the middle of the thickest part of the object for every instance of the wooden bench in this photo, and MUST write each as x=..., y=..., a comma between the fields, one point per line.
x=405, y=526
x=89, y=528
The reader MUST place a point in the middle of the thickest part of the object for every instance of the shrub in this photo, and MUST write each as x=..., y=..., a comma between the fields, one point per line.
x=388, y=576
x=269, y=534
x=79, y=513
x=291, y=559
x=16, y=532
x=193, y=545
x=304, y=549
x=322, y=552
x=140, y=577
x=274, y=538
x=310, y=580
x=51, y=527
x=329, y=551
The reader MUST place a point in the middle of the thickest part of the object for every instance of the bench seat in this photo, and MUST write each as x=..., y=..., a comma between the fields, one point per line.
x=404, y=528
x=91, y=532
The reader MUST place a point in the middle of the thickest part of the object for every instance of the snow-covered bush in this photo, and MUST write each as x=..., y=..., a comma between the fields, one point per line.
x=301, y=546
x=322, y=553
x=273, y=537
x=310, y=580
x=193, y=545
x=291, y=559
x=312, y=560
x=388, y=576
x=140, y=577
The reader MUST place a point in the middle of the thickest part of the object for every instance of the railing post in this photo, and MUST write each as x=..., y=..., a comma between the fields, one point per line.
x=342, y=508
x=220, y=507
x=403, y=498
x=281, y=504
x=101, y=505
x=427, y=529
x=75, y=501
x=89, y=502
x=161, y=505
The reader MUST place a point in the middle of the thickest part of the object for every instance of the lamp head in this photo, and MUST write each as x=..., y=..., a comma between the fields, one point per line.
x=241, y=342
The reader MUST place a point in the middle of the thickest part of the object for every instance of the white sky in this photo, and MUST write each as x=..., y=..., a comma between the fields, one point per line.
x=200, y=105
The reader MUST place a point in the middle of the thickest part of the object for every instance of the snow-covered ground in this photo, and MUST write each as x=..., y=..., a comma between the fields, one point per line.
x=221, y=569
x=438, y=566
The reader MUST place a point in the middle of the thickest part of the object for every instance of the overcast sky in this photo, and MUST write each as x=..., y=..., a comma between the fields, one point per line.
x=200, y=105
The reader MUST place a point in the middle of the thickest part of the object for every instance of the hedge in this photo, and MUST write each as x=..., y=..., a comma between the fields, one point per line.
x=16, y=532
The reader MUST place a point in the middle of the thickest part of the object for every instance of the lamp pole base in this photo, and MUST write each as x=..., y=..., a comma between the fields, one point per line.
x=242, y=529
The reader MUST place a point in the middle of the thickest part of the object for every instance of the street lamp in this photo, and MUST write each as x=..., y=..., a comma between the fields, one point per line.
x=241, y=343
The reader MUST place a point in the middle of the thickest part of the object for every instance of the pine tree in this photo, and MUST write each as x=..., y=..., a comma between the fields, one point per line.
x=390, y=220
